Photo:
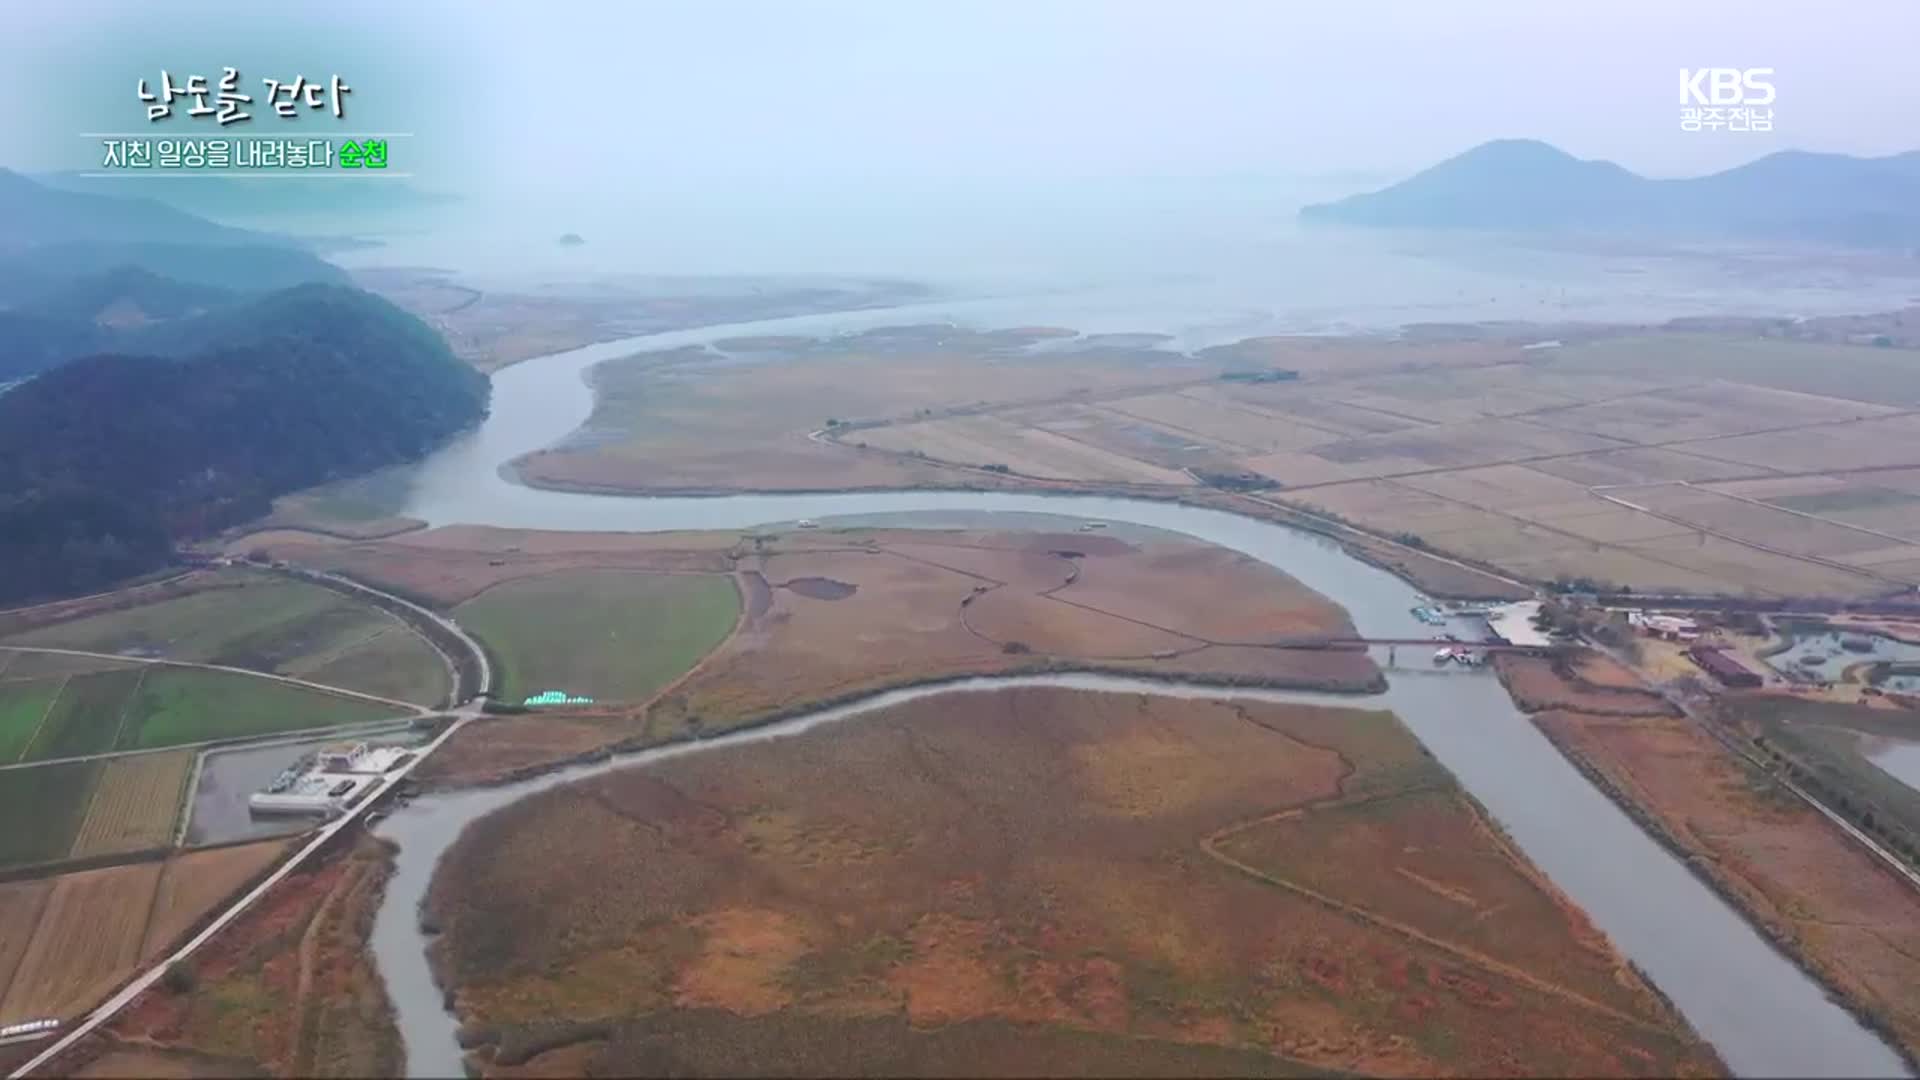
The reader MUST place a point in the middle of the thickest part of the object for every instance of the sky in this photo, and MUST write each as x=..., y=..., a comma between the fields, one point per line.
x=565, y=96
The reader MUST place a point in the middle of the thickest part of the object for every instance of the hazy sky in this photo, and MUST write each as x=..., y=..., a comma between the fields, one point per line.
x=559, y=95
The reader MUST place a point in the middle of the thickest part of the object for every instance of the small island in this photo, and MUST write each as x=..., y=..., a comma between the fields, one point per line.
x=571, y=240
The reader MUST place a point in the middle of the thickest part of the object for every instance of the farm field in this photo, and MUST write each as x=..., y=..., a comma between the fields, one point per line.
x=155, y=705
x=87, y=940
x=682, y=420
x=238, y=617
x=67, y=941
x=55, y=799
x=289, y=989
x=611, y=635
x=195, y=882
x=394, y=663
x=1110, y=870
x=181, y=705
x=23, y=705
x=1616, y=460
x=135, y=805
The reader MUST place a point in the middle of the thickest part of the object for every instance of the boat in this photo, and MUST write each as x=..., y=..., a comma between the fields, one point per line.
x=808, y=523
x=1442, y=656
x=1430, y=615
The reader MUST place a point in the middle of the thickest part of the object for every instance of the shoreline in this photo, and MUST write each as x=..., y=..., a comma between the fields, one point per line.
x=1702, y=865
x=1199, y=498
x=475, y=1035
x=641, y=742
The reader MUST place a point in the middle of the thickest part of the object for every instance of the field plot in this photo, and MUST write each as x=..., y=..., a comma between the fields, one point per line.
x=185, y=705
x=394, y=663
x=1165, y=450
x=135, y=804
x=1300, y=405
x=680, y=421
x=1856, y=372
x=607, y=634
x=1860, y=444
x=194, y=882
x=21, y=903
x=66, y=941
x=1649, y=465
x=1456, y=446
x=87, y=941
x=1709, y=410
x=88, y=715
x=1050, y=454
x=24, y=704
x=240, y=615
x=54, y=798
x=453, y=564
x=248, y=619
x=33, y=665
x=1039, y=869
x=1233, y=429
x=1426, y=859
x=288, y=989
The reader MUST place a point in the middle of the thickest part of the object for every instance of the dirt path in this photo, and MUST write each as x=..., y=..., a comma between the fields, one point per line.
x=37, y=728
x=417, y=710
x=1210, y=845
x=304, y=1032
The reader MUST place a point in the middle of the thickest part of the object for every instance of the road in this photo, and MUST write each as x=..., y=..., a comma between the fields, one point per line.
x=416, y=710
x=145, y=981
x=1690, y=709
x=475, y=652
x=462, y=716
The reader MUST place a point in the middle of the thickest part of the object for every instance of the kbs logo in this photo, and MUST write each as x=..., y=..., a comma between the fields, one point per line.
x=1726, y=99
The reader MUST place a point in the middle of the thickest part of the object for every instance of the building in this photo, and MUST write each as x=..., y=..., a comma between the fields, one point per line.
x=333, y=779
x=1514, y=624
x=1670, y=627
x=1725, y=668
x=341, y=757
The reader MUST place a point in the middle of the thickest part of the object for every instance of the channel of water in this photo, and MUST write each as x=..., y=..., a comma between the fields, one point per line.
x=1761, y=1012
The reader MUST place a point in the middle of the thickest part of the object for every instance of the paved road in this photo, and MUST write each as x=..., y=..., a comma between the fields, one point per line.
x=145, y=981
x=461, y=718
x=475, y=653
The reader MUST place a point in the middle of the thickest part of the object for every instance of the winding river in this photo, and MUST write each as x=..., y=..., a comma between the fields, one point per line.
x=1761, y=1013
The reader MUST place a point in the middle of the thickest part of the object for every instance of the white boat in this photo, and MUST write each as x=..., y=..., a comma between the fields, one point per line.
x=808, y=523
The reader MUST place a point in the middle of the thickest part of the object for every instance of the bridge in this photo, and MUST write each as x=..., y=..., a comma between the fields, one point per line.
x=1437, y=643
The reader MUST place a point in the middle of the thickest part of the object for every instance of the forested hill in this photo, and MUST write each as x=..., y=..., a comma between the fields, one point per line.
x=106, y=461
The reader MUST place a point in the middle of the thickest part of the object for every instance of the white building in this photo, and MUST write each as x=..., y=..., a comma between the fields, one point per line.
x=341, y=774
x=1671, y=627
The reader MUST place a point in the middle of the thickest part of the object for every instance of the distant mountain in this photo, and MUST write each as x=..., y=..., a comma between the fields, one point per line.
x=49, y=238
x=226, y=198
x=106, y=460
x=32, y=214
x=1523, y=185
x=25, y=276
